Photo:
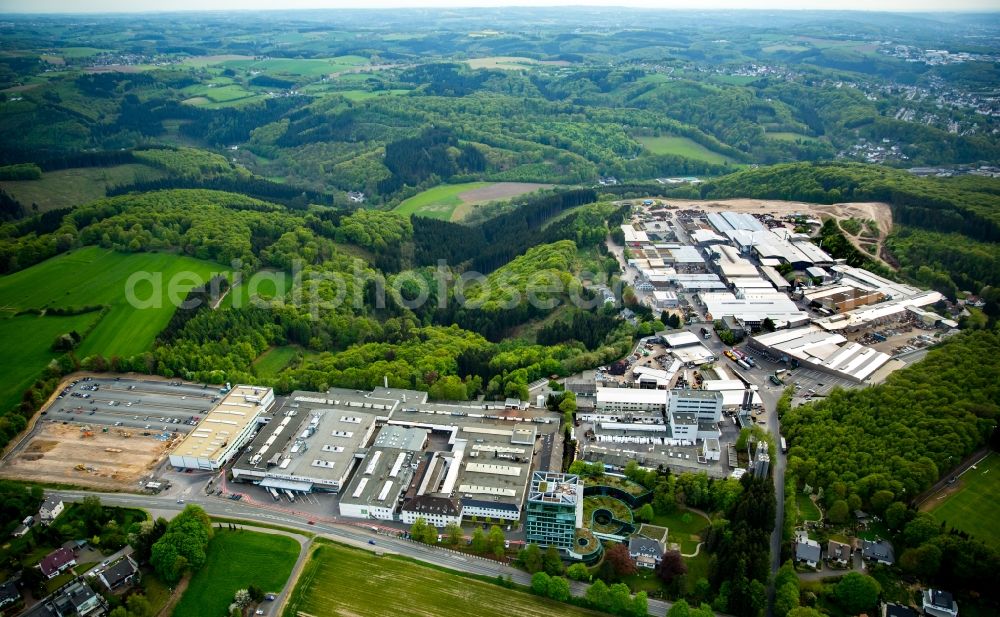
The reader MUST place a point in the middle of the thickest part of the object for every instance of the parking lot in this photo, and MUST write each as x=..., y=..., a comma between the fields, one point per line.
x=809, y=381
x=107, y=432
x=132, y=404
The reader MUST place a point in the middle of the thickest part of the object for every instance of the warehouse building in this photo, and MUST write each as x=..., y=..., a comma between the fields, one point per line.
x=824, y=351
x=753, y=308
x=633, y=401
x=312, y=444
x=224, y=430
x=382, y=478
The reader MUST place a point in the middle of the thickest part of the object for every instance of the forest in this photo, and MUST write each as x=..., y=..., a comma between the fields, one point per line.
x=902, y=435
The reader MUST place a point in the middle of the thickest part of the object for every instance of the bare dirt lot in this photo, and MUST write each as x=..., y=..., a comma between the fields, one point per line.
x=108, y=460
x=493, y=192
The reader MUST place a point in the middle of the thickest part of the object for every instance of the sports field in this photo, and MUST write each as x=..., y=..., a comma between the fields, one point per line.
x=236, y=560
x=453, y=202
x=87, y=277
x=339, y=581
x=973, y=506
x=64, y=188
x=681, y=146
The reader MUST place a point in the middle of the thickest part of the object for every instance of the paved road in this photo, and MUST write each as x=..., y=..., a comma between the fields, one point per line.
x=355, y=533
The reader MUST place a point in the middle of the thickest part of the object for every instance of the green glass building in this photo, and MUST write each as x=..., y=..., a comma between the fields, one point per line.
x=554, y=509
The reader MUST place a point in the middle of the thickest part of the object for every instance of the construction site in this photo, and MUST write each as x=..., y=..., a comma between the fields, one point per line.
x=99, y=456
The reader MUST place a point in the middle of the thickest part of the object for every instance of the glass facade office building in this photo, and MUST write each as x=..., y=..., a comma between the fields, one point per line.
x=554, y=509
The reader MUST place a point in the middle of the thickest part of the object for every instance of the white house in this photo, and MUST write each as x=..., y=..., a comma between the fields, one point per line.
x=51, y=508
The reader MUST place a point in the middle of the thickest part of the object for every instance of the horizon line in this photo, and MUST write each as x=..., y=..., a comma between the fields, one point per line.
x=633, y=8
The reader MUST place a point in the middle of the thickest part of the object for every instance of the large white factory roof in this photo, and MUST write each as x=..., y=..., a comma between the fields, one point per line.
x=631, y=395
x=815, y=346
x=753, y=307
x=633, y=235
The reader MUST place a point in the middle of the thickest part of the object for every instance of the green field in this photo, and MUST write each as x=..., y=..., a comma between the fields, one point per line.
x=340, y=581
x=220, y=95
x=93, y=276
x=362, y=95
x=273, y=360
x=71, y=187
x=972, y=507
x=681, y=146
x=449, y=202
x=265, y=285
x=236, y=560
x=22, y=363
x=789, y=136
x=438, y=202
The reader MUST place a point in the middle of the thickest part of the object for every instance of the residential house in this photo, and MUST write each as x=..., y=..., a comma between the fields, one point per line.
x=646, y=552
x=74, y=599
x=937, y=603
x=879, y=551
x=56, y=562
x=890, y=609
x=123, y=572
x=9, y=595
x=51, y=508
x=808, y=552
x=838, y=553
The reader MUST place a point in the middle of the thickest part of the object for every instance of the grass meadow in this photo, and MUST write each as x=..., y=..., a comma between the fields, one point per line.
x=27, y=350
x=681, y=146
x=438, y=202
x=85, y=277
x=340, y=581
x=236, y=560
x=274, y=359
x=454, y=202
x=65, y=188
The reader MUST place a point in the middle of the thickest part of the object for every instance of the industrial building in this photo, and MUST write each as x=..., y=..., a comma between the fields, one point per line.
x=828, y=352
x=753, y=308
x=224, y=430
x=480, y=469
x=382, y=478
x=554, y=510
x=312, y=444
x=394, y=455
x=705, y=405
x=637, y=401
x=878, y=314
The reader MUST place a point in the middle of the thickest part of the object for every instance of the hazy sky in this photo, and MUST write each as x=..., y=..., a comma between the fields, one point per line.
x=103, y=6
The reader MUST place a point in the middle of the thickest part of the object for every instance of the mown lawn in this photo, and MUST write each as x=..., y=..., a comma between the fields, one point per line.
x=681, y=146
x=807, y=509
x=684, y=528
x=339, y=581
x=973, y=507
x=236, y=560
